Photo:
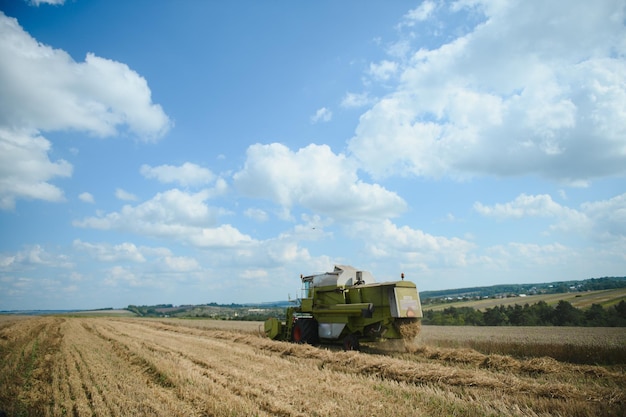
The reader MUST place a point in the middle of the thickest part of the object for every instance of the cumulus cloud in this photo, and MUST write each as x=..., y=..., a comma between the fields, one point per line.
x=86, y=198
x=420, y=13
x=383, y=70
x=223, y=235
x=521, y=257
x=44, y=89
x=608, y=218
x=455, y=262
x=119, y=275
x=33, y=256
x=181, y=263
x=254, y=274
x=598, y=220
x=314, y=178
x=352, y=100
x=25, y=168
x=187, y=174
x=528, y=90
x=130, y=253
x=171, y=214
x=124, y=195
x=256, y=214
x=111, y=253
x=525, y=206
x=412, y=246
x=38, y=2
x=322, y=115
x=167, y=208
x=98, y=95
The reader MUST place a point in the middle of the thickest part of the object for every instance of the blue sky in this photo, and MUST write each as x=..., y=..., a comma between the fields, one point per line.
x=194, y=152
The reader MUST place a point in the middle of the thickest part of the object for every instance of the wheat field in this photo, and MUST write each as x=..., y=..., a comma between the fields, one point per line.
x=106, y=366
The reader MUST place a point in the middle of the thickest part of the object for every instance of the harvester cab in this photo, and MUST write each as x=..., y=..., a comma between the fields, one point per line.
x=349, y=306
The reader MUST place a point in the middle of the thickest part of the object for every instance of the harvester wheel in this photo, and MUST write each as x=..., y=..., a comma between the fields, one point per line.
x=351, y=342
x=305, y=331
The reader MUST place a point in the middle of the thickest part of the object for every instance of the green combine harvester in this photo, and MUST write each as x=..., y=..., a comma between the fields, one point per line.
x=347, y=306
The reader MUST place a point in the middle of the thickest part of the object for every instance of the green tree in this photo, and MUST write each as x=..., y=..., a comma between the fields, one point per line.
x=567, y=315
x=543, y=312
x=620, y=309
x=596, y=316
x=473, y=317
x=617, y=314
x=496, y=316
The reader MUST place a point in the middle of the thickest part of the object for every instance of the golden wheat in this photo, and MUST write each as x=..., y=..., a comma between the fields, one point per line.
x=83, y=366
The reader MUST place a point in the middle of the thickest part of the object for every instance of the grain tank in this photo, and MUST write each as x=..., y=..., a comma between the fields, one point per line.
x=348, y=306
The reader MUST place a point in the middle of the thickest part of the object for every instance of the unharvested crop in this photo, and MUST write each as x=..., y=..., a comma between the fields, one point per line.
x=581, y=345
x=57, y=366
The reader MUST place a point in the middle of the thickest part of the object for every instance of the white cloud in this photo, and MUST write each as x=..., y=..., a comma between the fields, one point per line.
x=608, y=218
x=127, y=265
x=531, y=262
x=76, y=277
x=254, y=274
x=97, y=96
x=525, y=206
x=172, y=214
x=172, y=207
x=111, y=253
x=33, y=256
x=124, y=195
x=353, y=100
x=530, y=256
x=420, y=13
x=599, y=220
x=120, y=275
x=222, y=236
x=187, y=174
x=383, y=70
x=230, y=251
x=39, y=2
x=181, y=263
x=532, y=89
x=412, y=247
x=316, y=179
x=156, y=260
x=25, y=170
x=256, y=214
x=322, y=115
x=44, y=89
x=86, y=198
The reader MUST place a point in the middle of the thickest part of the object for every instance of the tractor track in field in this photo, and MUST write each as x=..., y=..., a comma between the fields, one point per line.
x=217, y=374
x=444, y=372
x=492, y=372
x=228, y=374
x=483, y=371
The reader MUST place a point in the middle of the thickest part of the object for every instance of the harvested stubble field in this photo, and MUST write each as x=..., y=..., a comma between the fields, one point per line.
x=79, y=366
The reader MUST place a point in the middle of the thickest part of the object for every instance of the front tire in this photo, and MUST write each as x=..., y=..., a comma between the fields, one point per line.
x=305, y=331
x=351, y=342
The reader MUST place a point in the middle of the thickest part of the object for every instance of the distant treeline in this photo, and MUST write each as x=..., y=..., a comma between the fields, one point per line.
x=538, y=314
x=592, y=284
x=231, y=311
x=155, y=310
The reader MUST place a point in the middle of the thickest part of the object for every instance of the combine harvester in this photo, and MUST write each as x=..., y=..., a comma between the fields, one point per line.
x=348, y=306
